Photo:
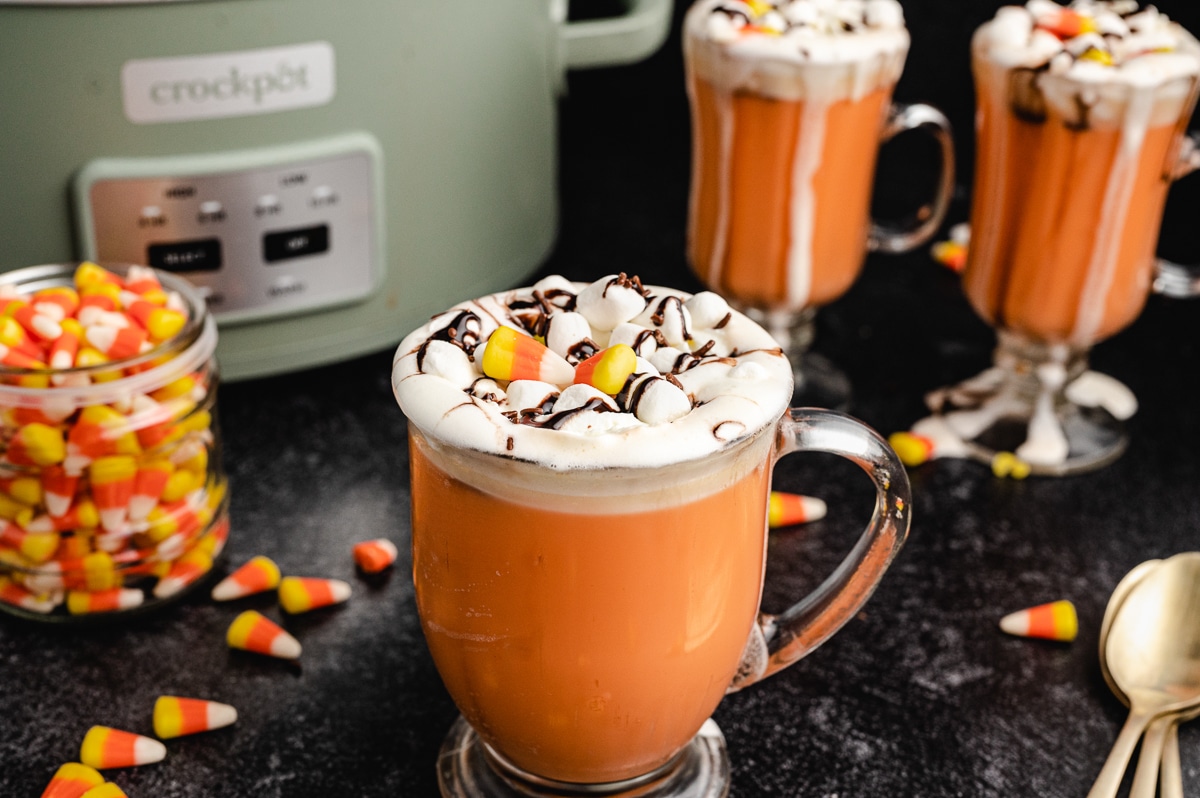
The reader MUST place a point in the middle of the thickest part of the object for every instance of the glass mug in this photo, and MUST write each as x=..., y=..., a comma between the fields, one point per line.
x=1072, y=176
x=587, y=620
x=787, y=120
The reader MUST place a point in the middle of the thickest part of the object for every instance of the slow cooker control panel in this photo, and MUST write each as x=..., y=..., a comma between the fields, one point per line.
x=262, y=233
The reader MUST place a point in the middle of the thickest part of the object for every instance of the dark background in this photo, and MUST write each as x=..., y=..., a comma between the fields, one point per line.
x=920, y=695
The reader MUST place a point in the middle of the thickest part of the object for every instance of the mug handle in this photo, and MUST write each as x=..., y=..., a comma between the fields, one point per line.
x=779, y=640
x=902, y=118
x=1171, y=279
x=612, y=41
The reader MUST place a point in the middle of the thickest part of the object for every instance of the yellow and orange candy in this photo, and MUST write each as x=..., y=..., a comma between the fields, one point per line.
x=1056, y=620
x=72, y=780
x=374, y=556
x=608, y=369
x=253, y=631
x=303, y=593
x=786, y=509
x=175, y=716
x=255, y=576
x=105, y=748
x=510, y=355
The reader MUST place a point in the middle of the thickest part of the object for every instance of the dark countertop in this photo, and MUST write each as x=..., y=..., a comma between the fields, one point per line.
x=918, y=695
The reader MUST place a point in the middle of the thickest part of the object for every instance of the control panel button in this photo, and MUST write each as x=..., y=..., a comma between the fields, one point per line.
x=199, y=255
x=266, y=205
x=211, y=211
x=152, y=216
x=323, y=196
x=286, y=244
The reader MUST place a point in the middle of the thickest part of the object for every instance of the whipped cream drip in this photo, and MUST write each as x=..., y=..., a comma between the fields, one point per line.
x=706, y=376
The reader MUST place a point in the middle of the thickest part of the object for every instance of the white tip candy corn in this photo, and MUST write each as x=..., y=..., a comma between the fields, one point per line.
x=253, y=631
x=301, y=593
x=373, y=556
x=1054, y=621
x=175, y=716
x=105, y=748
x=256, y=575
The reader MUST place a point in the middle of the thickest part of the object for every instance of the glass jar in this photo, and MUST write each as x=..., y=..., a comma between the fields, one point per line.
x=112, y=494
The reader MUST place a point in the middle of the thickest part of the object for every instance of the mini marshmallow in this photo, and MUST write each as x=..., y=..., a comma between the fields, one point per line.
x=531, y=394
x=707, y=309
x=883, y=14
x=565, y=331
x=449, y=362
x=643, y=341
x=654, y=400
x=610, y=301
x=488, y=390
x=646, y=367
x=579, y=395
x=554, y=283
x=669, y=316
x=667, y=358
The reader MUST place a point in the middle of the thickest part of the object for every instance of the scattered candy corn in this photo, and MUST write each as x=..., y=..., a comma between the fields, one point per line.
x=253, y=631
x=258, y=574
x=300, y=593
x=1007, y=464
x=105, y=748
x=72, y=780
x=509, y=355
x=175, y=716
x=950, y=254
x=785, y=509
x=1054, y=621
x=912, y=449
x=105, y=790
x=86, y=602
x=373, y=556
x=608, y=369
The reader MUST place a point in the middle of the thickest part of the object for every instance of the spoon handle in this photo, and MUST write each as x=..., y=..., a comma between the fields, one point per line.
x=1145, y=778
x=1171, y=777
x=1109, y=780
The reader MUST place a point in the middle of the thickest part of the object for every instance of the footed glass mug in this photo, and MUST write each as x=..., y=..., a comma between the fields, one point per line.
x=589, y=565
x=790, y=103
x=1079, y=138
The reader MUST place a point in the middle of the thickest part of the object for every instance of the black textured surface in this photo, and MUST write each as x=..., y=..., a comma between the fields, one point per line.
x=920, y=695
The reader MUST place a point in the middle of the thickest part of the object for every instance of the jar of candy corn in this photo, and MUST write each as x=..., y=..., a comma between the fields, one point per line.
x=112, y=494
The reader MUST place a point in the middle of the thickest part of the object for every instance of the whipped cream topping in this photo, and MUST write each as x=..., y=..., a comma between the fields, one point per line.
x=855, y=46
x=1092, y=40
x=706, y=377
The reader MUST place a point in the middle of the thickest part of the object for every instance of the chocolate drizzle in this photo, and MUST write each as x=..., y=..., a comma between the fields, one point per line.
x=557, y=420
x=648, y=335
x=624, y=281
x=462, y=331
x=659, y=316
x=582, y=350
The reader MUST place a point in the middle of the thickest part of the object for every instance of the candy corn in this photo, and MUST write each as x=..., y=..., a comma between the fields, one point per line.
x=116, y=343
x=14, y=595
x=72, y=780
x=148, y=486
x=104, y=748
x=301, y=594
x=950, y=254
x=253, y=631
x=1054, y=621
x=58, y=489
x=786, y=509
x=175, y=716
x=373, y=556
x=85, y=602
x=1066, y=23
x=258, y=574
x=509, y=355
x=608, y=369
x=186, y=569
x=112, y=488
x=912, y=449
x=160, y=323
x=105, y=790
x=37, y=444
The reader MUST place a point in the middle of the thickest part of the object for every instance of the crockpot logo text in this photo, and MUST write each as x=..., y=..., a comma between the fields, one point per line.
x=232, y=85
x=227, y=84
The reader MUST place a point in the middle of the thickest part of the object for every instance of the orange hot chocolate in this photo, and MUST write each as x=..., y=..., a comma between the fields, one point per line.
x=1073, y=161
x=788, y=110
x=587, y=644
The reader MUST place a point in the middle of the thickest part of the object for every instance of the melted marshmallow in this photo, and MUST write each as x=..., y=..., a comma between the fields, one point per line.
x=681, y=404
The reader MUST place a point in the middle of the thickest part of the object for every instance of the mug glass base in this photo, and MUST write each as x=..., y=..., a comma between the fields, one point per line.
x=469, y=768
x=1037, y=411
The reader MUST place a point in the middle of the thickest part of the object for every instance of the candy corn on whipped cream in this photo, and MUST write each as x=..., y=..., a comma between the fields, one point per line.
x=755, y=45
x=575, y=375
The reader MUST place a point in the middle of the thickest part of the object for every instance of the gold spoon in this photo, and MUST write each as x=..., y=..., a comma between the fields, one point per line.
x=1152, y=653
x=1163, y=732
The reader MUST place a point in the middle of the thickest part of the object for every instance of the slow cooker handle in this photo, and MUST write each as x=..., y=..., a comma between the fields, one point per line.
x=617, y=40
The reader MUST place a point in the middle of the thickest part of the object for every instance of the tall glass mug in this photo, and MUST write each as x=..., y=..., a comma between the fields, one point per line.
x=790, y=103
x=1081, y=117
x=589, y=522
